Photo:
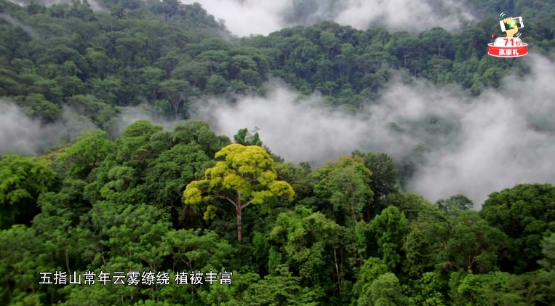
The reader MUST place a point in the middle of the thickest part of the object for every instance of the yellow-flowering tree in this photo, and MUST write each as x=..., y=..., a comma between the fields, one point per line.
x=246, y=176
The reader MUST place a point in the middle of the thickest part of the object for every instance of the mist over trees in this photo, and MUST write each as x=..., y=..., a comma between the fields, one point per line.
x=182, y=200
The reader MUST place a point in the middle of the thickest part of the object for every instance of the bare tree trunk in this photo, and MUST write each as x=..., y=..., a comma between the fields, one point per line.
x=67, y=262
x=337, y=271
x=239, y=211
x=239, y=233
x=175, y=104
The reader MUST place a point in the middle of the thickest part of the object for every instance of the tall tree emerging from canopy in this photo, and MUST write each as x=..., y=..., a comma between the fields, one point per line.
x=246, y=176
x=345, y=185
x=244, y=137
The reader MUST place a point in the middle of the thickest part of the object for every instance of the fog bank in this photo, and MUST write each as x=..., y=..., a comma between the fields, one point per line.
x=481, y=145
x=245, y=17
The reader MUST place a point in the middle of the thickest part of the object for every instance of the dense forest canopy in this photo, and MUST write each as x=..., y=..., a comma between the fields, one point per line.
x=172, y=203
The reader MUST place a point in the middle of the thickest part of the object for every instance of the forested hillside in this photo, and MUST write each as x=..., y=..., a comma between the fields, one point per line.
x=165, y=54
x=166, y=209
x=338, y=235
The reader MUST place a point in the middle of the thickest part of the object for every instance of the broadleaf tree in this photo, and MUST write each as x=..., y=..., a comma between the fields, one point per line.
x=246, y=176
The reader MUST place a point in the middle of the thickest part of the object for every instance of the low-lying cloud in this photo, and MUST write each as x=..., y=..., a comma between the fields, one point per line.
x=20, y=134
x=245, y=17
x=481, y=145
x=304, y=130
x=509, y=138
x=95, y=6
x=27, y=29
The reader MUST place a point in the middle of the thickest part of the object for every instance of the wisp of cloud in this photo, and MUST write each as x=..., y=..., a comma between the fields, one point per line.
x=20, y=134
x=506, y=140
x=246, y=17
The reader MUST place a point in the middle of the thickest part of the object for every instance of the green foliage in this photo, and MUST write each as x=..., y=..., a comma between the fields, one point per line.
x=429, y=291
x=21, y=259
x=370, y=271
x=488, y=289
x=172, y=170
x=118, y=206
x=86, y=154
x=246, y=176
x=148, y=51
x=308, y=242
x=385, y=290
x=472, y=245
x=22, y=180
x=419, y=250
x=231, y=295
x=412, y=205
x=36, y=106
x=280, y=290
x=455, y=203
x=389, y=229
x=384, y=173
x=197, y=251
x=245, y=138
x=345, y=186
x=525, y=213
x=297, y=176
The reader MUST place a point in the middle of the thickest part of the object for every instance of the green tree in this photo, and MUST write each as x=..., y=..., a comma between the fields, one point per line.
x=389, y=229
x=419, y=250
x=280, y=290
x=197, y=250
x=297, y=176
x=216, y=84
x=170, y=172
x=246, y=176
x=384, y=175
x=22, y=180
x=429, y=290
x=90, y=150
x=310, y=242
x=327, y=41
x=176, y=90
x=411, y=204
x=469, y=243
x=22, y=257
x=231, y=294
x=488, y=289
x=385, y=290
x=100, y=112
x=369, y=272
x=455, y=203
x=345, y=184
x=152, y=78
x=547, y=276
x=37, y=106
x=525, y=213
x=246, y=138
